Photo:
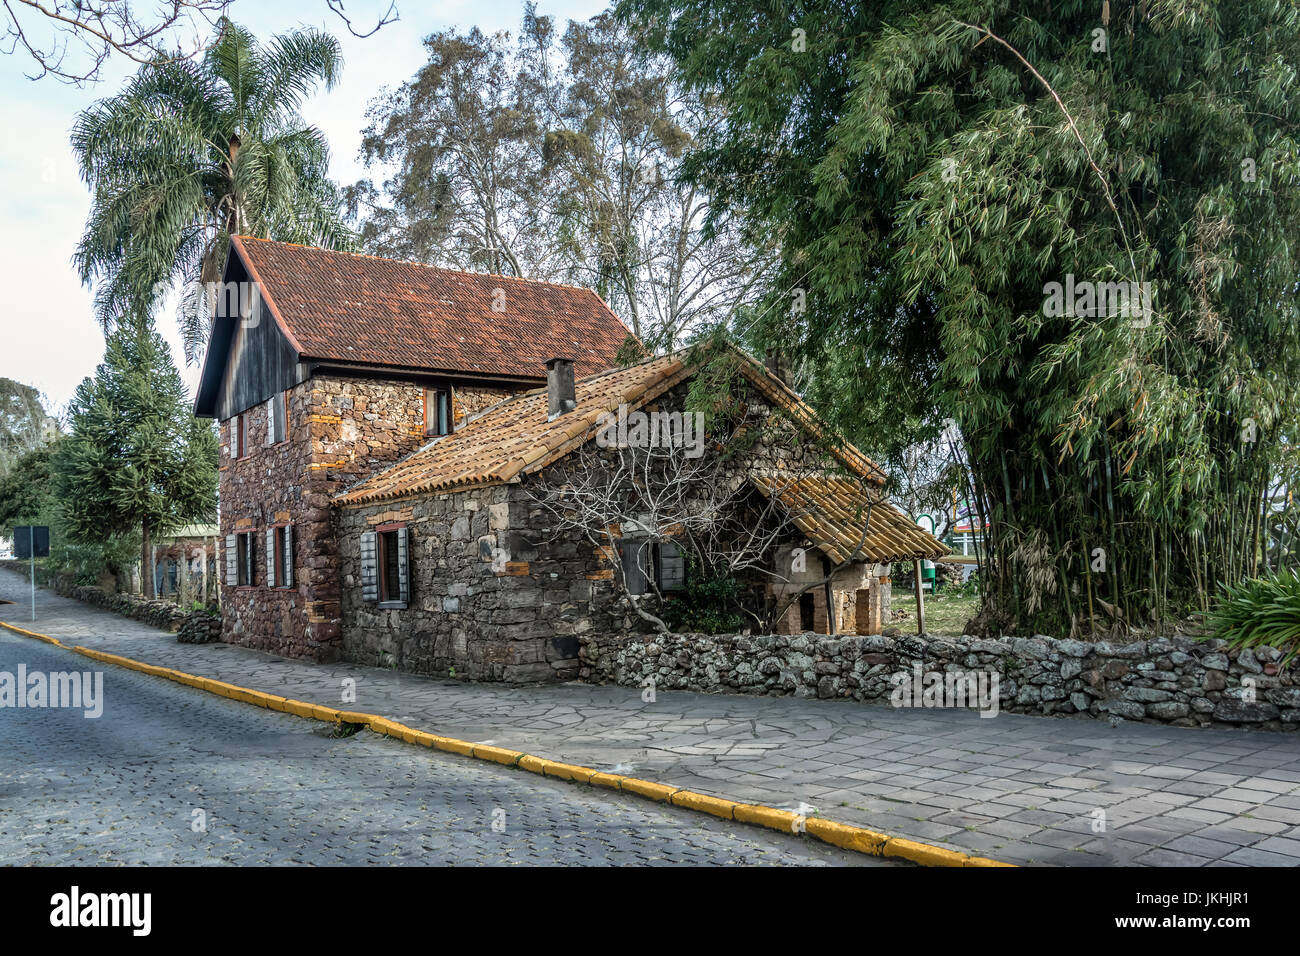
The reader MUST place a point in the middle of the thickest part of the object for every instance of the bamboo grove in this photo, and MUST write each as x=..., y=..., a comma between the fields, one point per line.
x=1062, y=233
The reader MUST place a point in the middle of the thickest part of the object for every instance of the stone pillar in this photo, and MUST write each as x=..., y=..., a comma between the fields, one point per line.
x=821, y=618
x=867, y=612
x=873, y=606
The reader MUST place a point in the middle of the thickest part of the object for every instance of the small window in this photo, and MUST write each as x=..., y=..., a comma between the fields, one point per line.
x=634, y=554
x=277, y=418
x=385, y=566
x=241, y=435
x=390, y=574
x=437, y=411
x=279, y=556
x=670, y=567
x=244, y=559
x=650, y=564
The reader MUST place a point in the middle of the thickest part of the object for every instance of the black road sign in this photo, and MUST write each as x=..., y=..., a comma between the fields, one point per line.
x=27, y=539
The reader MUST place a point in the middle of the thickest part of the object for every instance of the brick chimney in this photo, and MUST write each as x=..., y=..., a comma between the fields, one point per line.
x=561, y=396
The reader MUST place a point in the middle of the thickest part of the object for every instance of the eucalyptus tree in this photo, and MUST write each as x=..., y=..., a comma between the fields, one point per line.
x=190, y=153
x=554, y=155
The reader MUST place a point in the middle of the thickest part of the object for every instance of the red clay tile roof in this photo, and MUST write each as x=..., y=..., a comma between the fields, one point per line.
x=514, y=438
x=356, y=309
x=832, y=512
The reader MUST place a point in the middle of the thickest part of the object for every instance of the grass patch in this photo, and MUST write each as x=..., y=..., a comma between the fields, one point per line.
x=346, y=729
x=945, y=613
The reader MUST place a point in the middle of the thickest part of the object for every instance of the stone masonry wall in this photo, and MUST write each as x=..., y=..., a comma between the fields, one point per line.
x=1179, y=681
x=340, y=430
x=493, y=597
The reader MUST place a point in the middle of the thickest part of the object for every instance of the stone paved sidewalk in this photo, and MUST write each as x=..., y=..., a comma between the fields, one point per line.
x=1016, y=788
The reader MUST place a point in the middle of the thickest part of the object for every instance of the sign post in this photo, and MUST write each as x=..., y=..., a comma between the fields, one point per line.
x=36, y=544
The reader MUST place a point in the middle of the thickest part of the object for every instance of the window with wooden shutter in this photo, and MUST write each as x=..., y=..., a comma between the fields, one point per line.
x=270, y=558
x=369, y=566
x=232, y=561
x=632, y=553
x=276, y=418
x=437, y=411
x=287, y=556
x=403, y=566
x=671, y=570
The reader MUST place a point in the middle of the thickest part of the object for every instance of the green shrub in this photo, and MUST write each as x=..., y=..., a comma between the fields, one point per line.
x=1261, y=612
x=708, y=605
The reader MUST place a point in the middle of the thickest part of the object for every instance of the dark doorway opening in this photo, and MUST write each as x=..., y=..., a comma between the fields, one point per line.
x=806, y=611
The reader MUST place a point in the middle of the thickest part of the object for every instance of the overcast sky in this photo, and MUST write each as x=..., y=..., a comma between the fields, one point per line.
x=48, y=335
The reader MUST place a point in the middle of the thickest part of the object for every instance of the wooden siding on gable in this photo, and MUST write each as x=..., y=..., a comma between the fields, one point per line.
x=262, y=363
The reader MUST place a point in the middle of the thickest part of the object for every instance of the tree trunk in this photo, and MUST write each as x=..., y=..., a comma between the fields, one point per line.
x=146, y=565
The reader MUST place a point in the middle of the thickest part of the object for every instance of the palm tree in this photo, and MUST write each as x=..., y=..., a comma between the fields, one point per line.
x=190, y=153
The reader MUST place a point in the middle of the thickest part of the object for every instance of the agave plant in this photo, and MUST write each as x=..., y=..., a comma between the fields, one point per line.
x=1260, y=612
x=190, y=153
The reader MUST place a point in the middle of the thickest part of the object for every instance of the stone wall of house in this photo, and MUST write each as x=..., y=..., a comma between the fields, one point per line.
x=340, y=430
x=493, y=595
x=1178, y=680
x=468, y=402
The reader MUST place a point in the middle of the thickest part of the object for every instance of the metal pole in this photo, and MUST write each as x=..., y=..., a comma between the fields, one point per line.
x=31, y=540
x=920, y=600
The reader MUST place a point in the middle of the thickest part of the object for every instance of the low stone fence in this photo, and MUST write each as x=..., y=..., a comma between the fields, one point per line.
x=200, y=627
x=1178, y=680
x=161, y=614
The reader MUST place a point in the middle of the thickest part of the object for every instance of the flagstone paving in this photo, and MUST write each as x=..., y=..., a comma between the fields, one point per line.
x=1032, y=790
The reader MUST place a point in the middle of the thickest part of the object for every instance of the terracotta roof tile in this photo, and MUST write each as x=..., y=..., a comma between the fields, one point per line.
x=359, y=309
x=832, y=512
x=515, y=438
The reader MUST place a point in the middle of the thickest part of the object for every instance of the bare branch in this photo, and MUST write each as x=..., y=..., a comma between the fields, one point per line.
x=390, y=16
x=103, y=28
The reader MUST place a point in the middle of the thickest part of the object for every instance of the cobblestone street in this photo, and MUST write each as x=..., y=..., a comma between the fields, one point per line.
x=274, y=789
x=1016, y=788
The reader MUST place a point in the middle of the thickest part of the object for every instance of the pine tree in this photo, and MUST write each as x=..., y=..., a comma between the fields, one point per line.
x=137, y=458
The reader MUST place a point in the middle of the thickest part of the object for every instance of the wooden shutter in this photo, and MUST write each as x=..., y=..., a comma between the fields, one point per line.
x=270, y=558
x=631, y=552
x=672, y=567
x=403, y=567
x=288, y=556
x=232, y=561
x=270, y=428
x=369, y=566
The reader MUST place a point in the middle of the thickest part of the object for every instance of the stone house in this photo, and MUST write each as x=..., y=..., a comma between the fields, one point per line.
x=388, y=434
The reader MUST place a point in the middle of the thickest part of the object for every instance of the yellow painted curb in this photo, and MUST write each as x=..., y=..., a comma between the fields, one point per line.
x=453, y=746
x=703, y=803
x=846, y=837
x=773, y=819
x=567, y=771
x=922, y=853
x=611, y=780
x=842, y=835
x=497, y=754
x=651, y=791
x=40, y=637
